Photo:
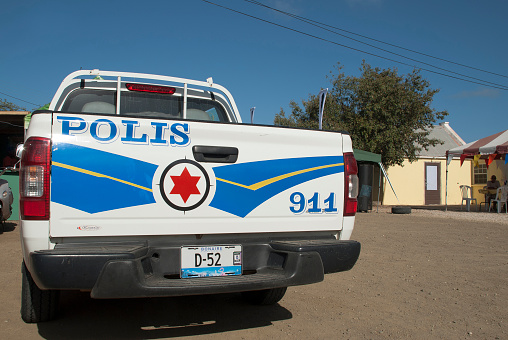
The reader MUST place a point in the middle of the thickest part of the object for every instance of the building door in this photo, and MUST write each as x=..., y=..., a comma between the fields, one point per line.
x=432, y=183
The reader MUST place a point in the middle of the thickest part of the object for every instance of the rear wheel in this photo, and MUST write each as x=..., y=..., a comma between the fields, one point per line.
x=37, y=305
x=265, y=297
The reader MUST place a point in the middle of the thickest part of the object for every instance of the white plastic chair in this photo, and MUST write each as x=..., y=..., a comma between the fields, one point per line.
x=467, y=195
x=501, y=199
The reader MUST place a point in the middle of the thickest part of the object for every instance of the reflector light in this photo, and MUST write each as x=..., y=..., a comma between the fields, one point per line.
x=34, y=181
x=150, y=88
x=350, y=184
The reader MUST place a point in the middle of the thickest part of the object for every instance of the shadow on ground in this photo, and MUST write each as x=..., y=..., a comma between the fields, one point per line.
x=84, y=318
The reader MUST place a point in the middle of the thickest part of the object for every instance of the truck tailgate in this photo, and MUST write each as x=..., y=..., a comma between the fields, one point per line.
x=117, y=175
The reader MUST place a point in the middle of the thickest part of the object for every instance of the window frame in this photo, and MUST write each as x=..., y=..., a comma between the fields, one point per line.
x=480, y=170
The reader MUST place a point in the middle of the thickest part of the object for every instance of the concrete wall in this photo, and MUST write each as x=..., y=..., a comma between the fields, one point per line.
x=409, y=182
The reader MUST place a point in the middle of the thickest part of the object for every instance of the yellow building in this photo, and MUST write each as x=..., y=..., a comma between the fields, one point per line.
x=423, y=182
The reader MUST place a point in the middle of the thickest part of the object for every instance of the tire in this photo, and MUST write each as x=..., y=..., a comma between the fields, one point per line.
x=37, y=305
x=264, y=297
x=401, y=210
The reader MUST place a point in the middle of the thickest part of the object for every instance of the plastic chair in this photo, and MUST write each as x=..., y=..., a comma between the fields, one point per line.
x=501, y=198
x=467, y=195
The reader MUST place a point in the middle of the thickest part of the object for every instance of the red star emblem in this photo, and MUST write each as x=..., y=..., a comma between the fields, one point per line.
x=185, y=185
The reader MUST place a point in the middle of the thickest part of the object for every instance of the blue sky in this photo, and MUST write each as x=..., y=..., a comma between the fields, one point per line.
x=262, y=65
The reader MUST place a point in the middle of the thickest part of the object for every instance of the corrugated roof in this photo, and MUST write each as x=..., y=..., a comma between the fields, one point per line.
x=446, y=134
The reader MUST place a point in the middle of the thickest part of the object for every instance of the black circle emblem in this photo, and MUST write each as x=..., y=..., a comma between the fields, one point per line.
x=184, y=185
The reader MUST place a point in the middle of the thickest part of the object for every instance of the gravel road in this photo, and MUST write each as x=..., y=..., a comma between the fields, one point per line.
x=430, y=274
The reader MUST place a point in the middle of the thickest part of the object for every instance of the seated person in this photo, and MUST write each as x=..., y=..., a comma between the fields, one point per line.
x=492, y=184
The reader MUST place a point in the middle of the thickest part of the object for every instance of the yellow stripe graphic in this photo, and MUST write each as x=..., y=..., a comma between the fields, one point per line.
x=266, y=182
x=96, y=174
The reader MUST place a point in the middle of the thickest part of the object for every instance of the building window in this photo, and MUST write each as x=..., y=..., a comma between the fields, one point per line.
x=480, y=174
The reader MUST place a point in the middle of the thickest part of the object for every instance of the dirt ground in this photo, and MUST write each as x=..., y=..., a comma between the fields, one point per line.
x=419, y=276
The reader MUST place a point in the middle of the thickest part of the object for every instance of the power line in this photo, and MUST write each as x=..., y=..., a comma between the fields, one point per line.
x=320, y=25
x=8, y=95
x=310, y=21
x=20, y=126
x=483, y=83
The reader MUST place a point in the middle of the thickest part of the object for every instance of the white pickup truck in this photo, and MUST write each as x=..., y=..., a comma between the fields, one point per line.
x=138, y=185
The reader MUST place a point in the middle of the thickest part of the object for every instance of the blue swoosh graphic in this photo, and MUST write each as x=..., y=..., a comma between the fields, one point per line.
x=95, y=181
x=241, y=188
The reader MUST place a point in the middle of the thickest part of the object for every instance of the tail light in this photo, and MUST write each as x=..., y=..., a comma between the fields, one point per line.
x=350, y=184
x=34, y=179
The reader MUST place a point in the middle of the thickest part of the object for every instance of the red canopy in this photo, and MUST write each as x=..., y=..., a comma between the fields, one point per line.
x=491, y=147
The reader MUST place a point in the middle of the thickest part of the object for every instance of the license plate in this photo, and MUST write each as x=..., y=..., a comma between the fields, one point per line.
x=206, y=261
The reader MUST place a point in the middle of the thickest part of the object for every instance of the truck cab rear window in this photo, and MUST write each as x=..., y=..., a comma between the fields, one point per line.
x=144, y=104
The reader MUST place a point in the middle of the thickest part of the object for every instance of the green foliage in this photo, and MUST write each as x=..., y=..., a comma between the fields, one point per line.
x=8, y=106
x=384, y=112
x=45, y=107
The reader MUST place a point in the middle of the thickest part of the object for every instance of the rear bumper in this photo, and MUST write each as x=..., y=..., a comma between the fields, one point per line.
x=113, y=270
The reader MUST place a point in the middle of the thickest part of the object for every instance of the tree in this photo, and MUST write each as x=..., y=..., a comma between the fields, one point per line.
x=8, y=106
x=384, y=112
